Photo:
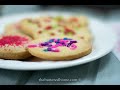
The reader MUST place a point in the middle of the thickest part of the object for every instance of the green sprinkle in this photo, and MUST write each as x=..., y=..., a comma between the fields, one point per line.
x=45, y=50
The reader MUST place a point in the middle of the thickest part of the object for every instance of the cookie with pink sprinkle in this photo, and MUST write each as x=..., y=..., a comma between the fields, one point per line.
x=48, y=26
x=59, y=48
x=14, y=47
x=13, y=43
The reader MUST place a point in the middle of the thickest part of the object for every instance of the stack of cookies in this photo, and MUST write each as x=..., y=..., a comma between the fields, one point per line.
x=47, y=38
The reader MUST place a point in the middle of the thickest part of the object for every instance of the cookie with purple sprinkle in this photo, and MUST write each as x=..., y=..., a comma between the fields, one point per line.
x=62, y=48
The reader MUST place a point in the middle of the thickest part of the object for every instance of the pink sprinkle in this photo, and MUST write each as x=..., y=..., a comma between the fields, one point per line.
x=57, y=45
x=32, y=46
x=55, y=50
x=54, y=46
x=40, y=46
x=64, y=41
x=61, y=40
x=55, y=40
x=73, y=47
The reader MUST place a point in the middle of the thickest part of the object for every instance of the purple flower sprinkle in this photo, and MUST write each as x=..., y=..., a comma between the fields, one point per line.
x=49, y=49
x=73, y=41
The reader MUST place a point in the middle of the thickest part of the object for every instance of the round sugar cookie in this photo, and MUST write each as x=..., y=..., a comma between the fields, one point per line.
x=62, y=48
x=14, y=47
x=53, y=26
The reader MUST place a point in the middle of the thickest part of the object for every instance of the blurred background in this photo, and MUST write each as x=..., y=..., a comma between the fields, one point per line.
x=101, y=11
x=107, y=13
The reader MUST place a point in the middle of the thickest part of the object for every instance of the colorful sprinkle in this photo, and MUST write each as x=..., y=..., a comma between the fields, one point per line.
x=53, y=44
x=49, y=45
x=55, y=50
x=51, y=40
x=45, y=50
x=65, y=39
x=73, y=41
x=59, y=44
x=57, y=41
x=40, y=45
x=48, y=27
x=13, y=40
x=32, y=46
x=68, y=30
x=49, y=49
x=44, y=44
x=69, y=44
x=73, y=46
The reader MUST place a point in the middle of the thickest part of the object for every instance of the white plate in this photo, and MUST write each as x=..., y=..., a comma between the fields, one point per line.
x=104, y=41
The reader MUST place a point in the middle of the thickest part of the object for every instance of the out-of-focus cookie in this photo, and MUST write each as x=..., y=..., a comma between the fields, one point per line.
x=11, y=29
x=13, y=43
x=54, y=26
x=36, y=27
x=14, y=47
x=78, y=21
x=14, y=29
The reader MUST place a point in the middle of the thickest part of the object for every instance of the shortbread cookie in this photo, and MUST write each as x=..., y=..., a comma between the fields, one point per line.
x=39, y=27
x=13, y=43
x=59, y=48
x=11, y=29
x=14, y=29
x=54, y=26
x=14, y=47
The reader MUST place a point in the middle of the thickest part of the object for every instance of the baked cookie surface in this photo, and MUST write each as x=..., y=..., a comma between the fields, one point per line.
x=59, y=48
x=54, y=38
x=56, y=26
x=14, y=47
x=13, y=43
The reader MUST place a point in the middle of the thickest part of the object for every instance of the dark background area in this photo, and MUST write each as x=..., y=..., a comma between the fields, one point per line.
x=101, y=8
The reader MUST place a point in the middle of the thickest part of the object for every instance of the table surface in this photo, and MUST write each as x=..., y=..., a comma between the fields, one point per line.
x=102, y=71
